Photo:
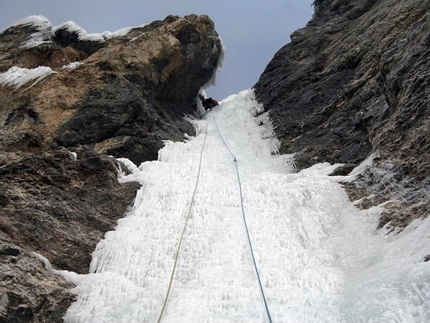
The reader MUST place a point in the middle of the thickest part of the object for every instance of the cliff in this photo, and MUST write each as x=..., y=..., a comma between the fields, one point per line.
x=353, y=85
x=69, y=101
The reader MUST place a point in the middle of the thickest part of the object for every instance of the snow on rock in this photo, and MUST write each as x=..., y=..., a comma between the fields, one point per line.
x=17, y=76
x=72, y=27
x=72, y=65
x=119, y=33
x=38, y=21
x=68, y=275
x=319, y=257
x=43, y=29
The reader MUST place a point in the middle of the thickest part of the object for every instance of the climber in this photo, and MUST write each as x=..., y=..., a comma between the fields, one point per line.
x=208, y=103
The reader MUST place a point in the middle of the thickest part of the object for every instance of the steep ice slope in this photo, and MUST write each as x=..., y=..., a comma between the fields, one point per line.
x=319, y=258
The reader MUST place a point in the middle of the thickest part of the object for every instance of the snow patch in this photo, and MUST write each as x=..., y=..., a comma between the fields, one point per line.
x=43, y=32
x=66, y=274
x=73, y=65
x=74, y=155
x=73, y=27
x=134, y=175
x=17, y=76
x=38, y=21
x=364, y=165
x=119, y=33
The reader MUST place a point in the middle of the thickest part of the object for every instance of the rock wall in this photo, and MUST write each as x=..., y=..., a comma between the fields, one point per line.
x=355, y=83
x=122, y=94
x=70, y=100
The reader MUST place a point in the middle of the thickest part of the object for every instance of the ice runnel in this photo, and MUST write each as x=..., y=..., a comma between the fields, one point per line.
x=319, y=257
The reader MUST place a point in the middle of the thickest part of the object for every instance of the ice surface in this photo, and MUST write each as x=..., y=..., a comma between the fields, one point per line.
x=320, y=258
x=17, y=76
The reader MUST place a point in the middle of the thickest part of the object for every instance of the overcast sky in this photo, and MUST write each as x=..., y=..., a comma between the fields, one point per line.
x=252, y=30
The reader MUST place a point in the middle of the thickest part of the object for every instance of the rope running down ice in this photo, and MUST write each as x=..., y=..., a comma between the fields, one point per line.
x=183, y=230
x=244, y=220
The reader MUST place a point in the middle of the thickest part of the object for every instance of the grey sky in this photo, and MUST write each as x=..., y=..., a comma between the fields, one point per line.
x=252, y=30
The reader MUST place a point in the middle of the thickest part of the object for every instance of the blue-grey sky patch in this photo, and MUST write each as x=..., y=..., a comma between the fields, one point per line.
x=252, y=31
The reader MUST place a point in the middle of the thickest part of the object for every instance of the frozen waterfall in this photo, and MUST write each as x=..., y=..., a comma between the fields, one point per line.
x=320, y=259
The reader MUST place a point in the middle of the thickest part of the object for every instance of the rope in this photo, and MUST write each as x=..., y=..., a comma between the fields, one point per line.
x=244, y=221
x=225, y=144
x=183, y=232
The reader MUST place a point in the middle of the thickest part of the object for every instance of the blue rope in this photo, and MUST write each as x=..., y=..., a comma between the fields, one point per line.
x=244, y=221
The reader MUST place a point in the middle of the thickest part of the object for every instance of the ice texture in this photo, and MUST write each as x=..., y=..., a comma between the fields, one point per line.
x=319, y=257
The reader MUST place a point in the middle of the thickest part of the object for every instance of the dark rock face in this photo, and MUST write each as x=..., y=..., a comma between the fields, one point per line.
x=355, y=81
x=55, y=205
x=59, y=207
x=65, y=37
x=59, y=192
x=28, y=293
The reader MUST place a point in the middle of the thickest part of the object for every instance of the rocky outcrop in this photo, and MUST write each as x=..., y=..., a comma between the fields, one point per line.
x=69, y=102
x=60, y=205
x=122, y=94
x=355, y=83
x=28, y=293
